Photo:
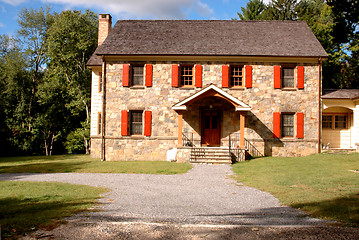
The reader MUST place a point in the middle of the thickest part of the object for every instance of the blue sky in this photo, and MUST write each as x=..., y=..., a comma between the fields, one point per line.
x=126, y=9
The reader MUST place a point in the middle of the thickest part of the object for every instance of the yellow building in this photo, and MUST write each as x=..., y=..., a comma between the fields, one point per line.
x=340, y=119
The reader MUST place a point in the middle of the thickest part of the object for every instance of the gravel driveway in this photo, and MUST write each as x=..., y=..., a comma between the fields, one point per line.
x=207, y=194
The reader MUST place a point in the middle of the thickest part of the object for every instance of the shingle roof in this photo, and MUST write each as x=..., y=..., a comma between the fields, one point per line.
x=211, y=37
x=94, y=61
x=340, y=94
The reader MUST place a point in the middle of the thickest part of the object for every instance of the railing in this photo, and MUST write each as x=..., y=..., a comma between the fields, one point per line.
x=236, y=153
x=186, y=141
x=252, y=149
x=234, y=142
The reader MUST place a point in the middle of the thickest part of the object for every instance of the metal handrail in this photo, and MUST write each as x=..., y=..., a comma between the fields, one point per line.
x=187, y=142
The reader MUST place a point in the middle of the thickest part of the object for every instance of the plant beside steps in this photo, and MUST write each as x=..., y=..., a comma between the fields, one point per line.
x=211, y=155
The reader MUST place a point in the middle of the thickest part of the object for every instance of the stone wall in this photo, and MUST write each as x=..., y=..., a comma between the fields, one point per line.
x=262, y=98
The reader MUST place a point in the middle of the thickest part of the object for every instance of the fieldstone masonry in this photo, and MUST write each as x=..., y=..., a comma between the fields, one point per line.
x=262, y=98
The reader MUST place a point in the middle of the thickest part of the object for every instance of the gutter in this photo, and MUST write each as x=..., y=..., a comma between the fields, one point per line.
x=103, y=116
x=320, y=106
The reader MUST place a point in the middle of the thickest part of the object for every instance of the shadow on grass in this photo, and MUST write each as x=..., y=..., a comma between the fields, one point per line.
x=40, y=158
x=47, y=167
x=19, y=216
x=344, y=209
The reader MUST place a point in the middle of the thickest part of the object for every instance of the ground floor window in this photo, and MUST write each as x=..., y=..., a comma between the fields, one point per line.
x=335, y=121
x=135, y=122
x=287, y=124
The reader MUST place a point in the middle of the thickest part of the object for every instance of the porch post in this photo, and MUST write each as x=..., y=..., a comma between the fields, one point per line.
x=242, y=121
x=180, y=117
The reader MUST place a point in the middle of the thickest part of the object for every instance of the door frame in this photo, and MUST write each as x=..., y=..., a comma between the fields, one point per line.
x=219, y=125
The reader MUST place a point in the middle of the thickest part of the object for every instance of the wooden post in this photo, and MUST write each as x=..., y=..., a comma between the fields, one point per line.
x=242, y=121
x=180, y=117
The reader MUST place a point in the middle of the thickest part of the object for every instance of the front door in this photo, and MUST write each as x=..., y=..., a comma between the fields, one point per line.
x=211, y=128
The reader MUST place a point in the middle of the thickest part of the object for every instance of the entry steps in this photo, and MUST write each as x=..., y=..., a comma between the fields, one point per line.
x=214, y=155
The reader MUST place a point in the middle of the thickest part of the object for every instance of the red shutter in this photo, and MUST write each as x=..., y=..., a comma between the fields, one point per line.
x=276, y=125
x=149, y=69
x=148, y=123
x=300, y=77
x=124, y=122
x=126, y=75
x=174, y=75
x=277, y=77
x=198, y=76
x=300, y=125
x=225, y=76
x=248, y=76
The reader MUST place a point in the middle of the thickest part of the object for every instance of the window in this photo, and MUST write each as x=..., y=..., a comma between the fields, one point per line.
x=100, y=82
x=288, y=77
x=327, y=121
x=135, y=122
x=335, y=121
x=287, y=122
x=341, y=121
x=236, y=76
x=99, y=121
x=137, y=75
x=186, y=76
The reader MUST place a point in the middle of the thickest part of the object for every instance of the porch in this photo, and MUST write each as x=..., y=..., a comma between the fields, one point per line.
x=211, y=123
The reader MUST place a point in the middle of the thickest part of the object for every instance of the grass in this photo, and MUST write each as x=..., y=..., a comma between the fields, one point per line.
x=86, y=164
x=27, y=206
x=323, y=185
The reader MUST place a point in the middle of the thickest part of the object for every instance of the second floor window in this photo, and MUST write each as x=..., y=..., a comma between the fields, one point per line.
x=236, y=76
x=137, y=75
x=288, y=77
x=186, y=76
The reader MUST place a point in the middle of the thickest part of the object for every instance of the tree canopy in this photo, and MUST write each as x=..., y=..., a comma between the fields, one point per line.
x=45, y=83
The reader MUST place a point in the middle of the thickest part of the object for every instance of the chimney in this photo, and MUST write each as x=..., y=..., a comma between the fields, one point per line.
x=104, y=27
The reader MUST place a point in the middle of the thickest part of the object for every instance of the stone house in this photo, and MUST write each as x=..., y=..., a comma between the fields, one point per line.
x=340, y=120
x=253, y=87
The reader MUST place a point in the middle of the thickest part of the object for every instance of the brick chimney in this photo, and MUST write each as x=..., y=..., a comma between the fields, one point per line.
x=104, y=27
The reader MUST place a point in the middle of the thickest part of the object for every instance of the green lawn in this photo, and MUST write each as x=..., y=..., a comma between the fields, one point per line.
x=324, y=185
x=26, y=206
x=86, y=164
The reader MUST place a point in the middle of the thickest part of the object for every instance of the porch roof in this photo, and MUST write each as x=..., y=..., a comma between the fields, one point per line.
x=212, y=90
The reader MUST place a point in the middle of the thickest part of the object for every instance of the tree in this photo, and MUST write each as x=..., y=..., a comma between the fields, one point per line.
x=33, y=33
x=282, y=10
x=253, y=10
x=346, y=35
x=72, y=40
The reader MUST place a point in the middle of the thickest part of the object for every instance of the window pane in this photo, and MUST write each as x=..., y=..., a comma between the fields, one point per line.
x=214, y=122
x=288, y=77
x=340, y=121
x=327, y=121
x=236, y=76
x=137, y=75
x=207, y=122
x=186, y=75
x=136, y=122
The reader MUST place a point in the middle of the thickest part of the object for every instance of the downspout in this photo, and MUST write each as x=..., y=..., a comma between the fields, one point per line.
x=103, y=116
x=320, y=107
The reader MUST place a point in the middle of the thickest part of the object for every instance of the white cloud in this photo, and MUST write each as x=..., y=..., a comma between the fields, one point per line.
x=267, y=1
x=159, y=9
x=13, y=2
x=1, y=25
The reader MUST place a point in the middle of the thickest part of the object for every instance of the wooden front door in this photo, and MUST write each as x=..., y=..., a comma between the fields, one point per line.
x=211, y=128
